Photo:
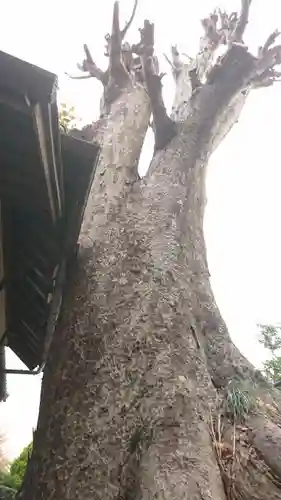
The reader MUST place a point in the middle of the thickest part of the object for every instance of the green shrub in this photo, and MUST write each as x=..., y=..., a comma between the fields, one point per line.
x=13, y=477
x=18, y=466
x=7, y=493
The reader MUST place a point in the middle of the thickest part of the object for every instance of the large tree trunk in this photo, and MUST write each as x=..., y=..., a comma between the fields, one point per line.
x=136, y=396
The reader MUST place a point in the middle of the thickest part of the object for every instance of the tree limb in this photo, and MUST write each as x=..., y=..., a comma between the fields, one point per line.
x=242, y=22
x=219, y=28
x=176, y=60
x=88, y=66
x=269, y=56
x=115, y=43
x=164, y=127
x=169, y=61
x=78, y=77
x=222, y=28
x=128, y=24
x=122, y=68
x=125, y=29
x=238, y=69
x=269, y=42
x=117, y=71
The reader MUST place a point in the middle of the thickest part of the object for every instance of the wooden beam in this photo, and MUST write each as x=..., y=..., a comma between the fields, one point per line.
x=2, y=292
x=45, y=137
x=44, y=157
x=55, y=143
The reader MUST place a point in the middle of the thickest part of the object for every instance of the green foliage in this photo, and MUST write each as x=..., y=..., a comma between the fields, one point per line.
x=271, y=340
x=272, y=369
x=18, y=466
x=238, y=403
x=9, y=481
x=271, y=337
x=7, y=493
x=67, y=117
x=13, y=477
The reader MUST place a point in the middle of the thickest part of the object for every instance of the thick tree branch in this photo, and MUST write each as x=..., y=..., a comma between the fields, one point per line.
x=242, y=21
x=269, y=42
x=191, y=75
x=176, y=61
x=120, y=58
x=247, y=70
x=116, y=50
x=221, y=28
x=122, y=32
x=89, y=66
x=163, y=125
x=269, y=56
x=117, y=70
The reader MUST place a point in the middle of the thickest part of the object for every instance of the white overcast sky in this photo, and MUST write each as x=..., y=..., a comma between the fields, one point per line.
x=242, y=224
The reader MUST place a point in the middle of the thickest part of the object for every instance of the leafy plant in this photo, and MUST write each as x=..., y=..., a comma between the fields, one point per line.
x=18, y=466
x=7, y=493
x=238, y=403
x=9, y=480
x=13, y=476
x=271, y=340
x=67, y=117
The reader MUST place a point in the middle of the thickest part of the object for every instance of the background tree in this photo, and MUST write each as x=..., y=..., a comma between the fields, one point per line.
x=67, y=117
x=271, y=340
x=8, y=480
x=144, y=395
x=11, y=475
x=3, y=456
x=7, y=493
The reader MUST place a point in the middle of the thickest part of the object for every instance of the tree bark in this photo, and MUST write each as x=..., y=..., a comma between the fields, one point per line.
x=134, y=393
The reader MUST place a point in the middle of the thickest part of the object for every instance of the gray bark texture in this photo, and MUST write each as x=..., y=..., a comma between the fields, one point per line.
x=144, y=395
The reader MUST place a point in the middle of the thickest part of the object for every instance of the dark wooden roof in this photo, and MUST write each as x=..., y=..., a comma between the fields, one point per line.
x=45, y=177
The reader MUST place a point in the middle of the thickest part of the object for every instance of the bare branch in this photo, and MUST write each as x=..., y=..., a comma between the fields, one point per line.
x=218, y=30
x=176, y=57
x=268, y=58
x=164, y=127
x=249, y=71
x=269, y=42
x=115, y=46
x=190, y=59
x=212, y=35
x=169, y=61
x=117, y=70
x=222, y=28
x=176, y=63
x=242, y=22
x=88, y=54
x=88, y=66
x=81, y=77
x=128, y=24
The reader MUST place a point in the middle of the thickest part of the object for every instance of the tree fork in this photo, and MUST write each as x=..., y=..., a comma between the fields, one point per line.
x=164, y=127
